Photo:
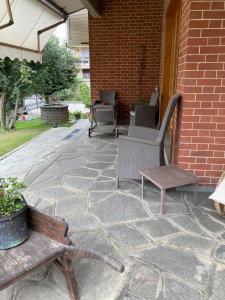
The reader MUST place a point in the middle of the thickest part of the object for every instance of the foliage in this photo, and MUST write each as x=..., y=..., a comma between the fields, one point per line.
x=10, y=196
x=15, y=84
x=65, y=95
x=57, y=72
x=77, y=114
x=83, y=93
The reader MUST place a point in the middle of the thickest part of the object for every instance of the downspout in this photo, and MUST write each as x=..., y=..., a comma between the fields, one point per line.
x=11, y=22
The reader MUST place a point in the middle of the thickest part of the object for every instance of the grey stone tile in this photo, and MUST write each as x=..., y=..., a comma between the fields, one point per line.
x=144, y=283
x=95, y=240
x=81, y=222
x=95, y=197
x=111, y=186
x=187, y=266
x=171, y=208
x=109, y=173
x=56, y=193
x=7, y=293
x=46, y=181
x=127, y=236
x=127, y=296
x=102, y=158
x=85, y=172
x=119, y=208
x=103, y=178
x=202, y=199
x=156, y=228
x=220, y=253
x=62, y=167
x=178, y=290
x=97, y=281
x=218, y=289
x=77, y=183
x=42, y=291
x=32, y=198
x=206, y=221
x=98, y=165
x=68, y=206
x=187, y=223
x=195, y=243
x=47, y=206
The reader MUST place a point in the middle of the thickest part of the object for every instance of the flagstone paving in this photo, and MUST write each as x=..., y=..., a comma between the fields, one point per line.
x=178, y=256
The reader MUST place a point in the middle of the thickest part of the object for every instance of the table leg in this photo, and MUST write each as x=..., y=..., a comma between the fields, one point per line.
x=142, y=186
x=162, y=206
x=195, y=194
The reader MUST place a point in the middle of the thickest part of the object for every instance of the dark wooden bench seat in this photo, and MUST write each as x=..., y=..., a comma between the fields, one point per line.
x=47, y=243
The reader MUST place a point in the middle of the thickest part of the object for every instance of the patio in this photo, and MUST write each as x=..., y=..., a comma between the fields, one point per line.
x=177, y=256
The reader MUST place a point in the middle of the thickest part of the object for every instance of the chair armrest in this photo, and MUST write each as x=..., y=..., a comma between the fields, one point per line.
x=137, y=140
x=72, y=252
x=143, y=133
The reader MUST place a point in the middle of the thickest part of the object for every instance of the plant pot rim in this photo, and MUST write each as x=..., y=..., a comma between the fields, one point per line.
x=14, y=215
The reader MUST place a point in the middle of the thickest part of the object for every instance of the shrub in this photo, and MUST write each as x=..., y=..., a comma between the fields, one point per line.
x=10, y=196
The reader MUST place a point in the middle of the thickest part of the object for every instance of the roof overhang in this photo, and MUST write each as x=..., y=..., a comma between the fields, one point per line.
x=26, y=25
x=77, y=29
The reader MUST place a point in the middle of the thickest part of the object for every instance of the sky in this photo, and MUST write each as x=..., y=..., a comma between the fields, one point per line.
x=61, y=32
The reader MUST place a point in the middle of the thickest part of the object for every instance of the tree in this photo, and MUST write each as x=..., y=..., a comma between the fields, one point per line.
x=57, y=71
x=15, y=84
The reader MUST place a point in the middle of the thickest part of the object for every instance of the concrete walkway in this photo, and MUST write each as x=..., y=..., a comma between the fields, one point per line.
x=28, y=161
x=179, y=256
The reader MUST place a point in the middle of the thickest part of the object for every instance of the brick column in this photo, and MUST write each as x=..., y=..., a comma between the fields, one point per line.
x=201, y=80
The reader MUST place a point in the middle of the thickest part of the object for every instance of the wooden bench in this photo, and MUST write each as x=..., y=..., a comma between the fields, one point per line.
x=47, y=243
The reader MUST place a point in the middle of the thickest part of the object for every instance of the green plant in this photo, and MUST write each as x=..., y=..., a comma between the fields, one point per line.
x=57, y=72
x=10, y=196
x=77, y=115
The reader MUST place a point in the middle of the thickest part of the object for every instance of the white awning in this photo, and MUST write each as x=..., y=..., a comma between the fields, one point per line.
x=27, y=25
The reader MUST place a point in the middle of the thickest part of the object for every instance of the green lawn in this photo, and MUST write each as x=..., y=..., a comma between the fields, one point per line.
x=23, y=133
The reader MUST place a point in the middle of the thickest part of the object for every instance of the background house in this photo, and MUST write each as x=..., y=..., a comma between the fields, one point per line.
x=78, y=41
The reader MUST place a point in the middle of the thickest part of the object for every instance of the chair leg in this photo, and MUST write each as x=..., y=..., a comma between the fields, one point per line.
x=117, y=182
x=162, y=205
x=67, y=269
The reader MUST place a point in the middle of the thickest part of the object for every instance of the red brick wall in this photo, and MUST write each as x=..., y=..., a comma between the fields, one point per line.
x=201, y=80
x=117, y=40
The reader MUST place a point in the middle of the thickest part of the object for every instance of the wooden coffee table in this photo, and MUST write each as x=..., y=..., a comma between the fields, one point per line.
x=167, y=177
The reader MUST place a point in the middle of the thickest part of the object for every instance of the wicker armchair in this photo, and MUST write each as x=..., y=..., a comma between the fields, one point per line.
x=146, y=115
x=104, y=111
x=143, y=147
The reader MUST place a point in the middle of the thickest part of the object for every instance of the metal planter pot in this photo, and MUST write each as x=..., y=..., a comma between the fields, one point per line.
x=13, y=229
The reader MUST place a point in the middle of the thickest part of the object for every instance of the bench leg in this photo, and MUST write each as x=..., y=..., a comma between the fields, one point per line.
x=162, y=206
x=142, y=186
x=67, y=269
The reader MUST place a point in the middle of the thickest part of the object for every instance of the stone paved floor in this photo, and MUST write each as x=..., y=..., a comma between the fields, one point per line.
x=179, y=256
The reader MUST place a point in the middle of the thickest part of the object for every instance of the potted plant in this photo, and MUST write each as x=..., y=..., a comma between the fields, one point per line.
x=77, y=115
x=13, y=223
